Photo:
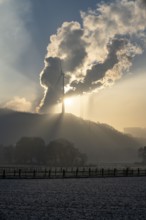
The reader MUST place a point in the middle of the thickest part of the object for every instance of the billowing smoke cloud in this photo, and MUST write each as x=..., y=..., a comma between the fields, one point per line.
x=51, y=82
x=95, y=54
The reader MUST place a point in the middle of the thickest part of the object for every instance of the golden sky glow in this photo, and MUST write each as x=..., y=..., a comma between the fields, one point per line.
x=84, y=42
x=123, y=105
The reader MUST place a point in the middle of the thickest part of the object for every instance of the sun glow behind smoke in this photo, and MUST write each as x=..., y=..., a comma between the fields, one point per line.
x=73, y=105
x=69, y=105
x=92, y=56
x=96, y=53
x=68, y=102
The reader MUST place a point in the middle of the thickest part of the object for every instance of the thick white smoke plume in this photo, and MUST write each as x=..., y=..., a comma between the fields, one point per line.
x=95, y=54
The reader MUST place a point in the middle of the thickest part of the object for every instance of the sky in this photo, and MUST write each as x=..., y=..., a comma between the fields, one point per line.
x=100, y=47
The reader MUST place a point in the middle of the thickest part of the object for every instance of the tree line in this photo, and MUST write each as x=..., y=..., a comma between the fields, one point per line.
x=34, y=151
x=142, y=154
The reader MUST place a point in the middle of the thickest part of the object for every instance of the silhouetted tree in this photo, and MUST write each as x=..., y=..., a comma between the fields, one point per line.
x=1, y=154
x=30, y=150
x=61, y=152
x=142, y=154
x=6, y=154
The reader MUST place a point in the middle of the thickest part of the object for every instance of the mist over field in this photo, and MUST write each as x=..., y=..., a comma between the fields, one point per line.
x=100, y=142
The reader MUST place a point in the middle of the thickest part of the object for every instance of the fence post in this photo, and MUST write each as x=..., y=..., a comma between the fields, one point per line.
x=45, y=172
x=108, y=172
x=19, y=173
x=83, y=171
x=4, y=174
x=138, y=172
x=63, y=173
x=49, y=173
x=25, y=174
x=127, y=172
x=102, y=172
x=34, y=172
x=123, y=172
x=89, y=173
x=96, y=171
x=77, y=172
x=115, y=172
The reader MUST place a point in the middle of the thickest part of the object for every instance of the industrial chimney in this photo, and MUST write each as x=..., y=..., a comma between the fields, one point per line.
x=63, y=105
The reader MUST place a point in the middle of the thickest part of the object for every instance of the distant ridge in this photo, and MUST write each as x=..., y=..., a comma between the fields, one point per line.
x=101, y=142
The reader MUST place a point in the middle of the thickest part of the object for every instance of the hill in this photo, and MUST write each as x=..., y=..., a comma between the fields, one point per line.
x=101, y=142
x=138, y=133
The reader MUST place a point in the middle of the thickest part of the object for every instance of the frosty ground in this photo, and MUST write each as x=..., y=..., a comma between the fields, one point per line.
x=100, y=198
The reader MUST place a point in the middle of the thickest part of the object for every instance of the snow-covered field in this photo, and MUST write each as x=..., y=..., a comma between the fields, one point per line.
x=77, y=199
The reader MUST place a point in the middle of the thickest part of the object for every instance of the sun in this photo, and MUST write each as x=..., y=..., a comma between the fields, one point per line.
x=68, y=101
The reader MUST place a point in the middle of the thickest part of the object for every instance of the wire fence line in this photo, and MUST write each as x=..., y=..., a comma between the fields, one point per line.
x=57, y=173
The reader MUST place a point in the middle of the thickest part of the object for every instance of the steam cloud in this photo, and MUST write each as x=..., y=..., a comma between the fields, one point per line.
x=95, y=54
x=18, y=104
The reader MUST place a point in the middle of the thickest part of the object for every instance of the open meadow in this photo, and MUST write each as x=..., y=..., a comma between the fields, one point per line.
x=101, y=198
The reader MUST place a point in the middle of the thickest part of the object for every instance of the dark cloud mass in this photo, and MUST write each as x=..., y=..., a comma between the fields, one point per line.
x=50, y=80
x=98, y=71
x=95, y=54
x=51, y=72
x=72, y=46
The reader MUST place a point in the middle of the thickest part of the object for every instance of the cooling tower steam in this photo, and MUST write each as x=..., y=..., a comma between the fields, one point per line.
x=96, y=53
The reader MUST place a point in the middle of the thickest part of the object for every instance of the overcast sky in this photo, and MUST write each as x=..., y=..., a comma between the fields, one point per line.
x=103, y=53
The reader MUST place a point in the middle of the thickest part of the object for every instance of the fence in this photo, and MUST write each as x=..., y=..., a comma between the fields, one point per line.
x=54, y=173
